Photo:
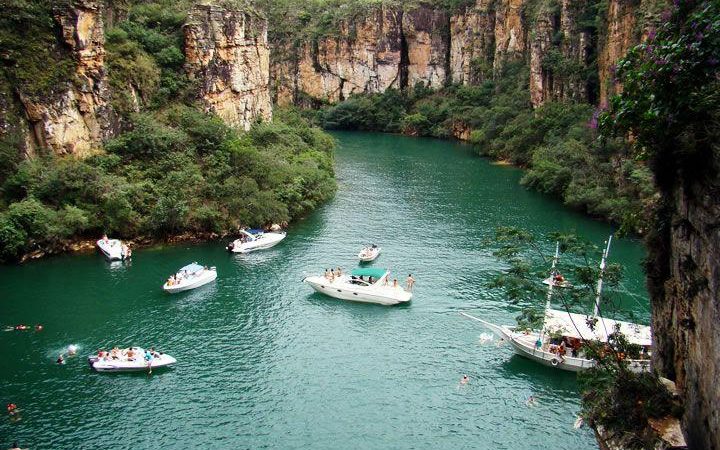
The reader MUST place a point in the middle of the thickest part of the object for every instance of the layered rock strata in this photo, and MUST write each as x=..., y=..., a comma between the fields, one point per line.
x=78, y=118
x=227, y=53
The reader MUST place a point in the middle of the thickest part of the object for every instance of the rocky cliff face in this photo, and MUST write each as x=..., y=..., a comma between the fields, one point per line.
x=684, y=280
x=619, y=37
x=79, y=118
x=227, y=52
x=391, y=47
x=387, y=48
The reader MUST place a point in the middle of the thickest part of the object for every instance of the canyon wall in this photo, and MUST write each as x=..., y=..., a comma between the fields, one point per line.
x=227, y=53
x=568, y=58
x=77, y=118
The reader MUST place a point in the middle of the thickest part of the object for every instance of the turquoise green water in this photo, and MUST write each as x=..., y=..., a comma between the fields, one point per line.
x=263, y=362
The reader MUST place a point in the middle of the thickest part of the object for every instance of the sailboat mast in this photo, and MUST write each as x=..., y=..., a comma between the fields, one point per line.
x=600, y=277
x=550, y=287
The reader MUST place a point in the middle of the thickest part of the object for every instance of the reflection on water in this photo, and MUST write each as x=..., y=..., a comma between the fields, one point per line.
x=263, y=361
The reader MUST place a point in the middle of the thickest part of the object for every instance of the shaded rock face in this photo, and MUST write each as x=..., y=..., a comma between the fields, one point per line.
x=559, y=55
x=472, y=43
x=684, y=282
x=227, y=53
x=79, y=118
x=620, y=36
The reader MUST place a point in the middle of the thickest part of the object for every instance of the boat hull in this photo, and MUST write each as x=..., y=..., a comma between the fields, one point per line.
x=267, y=240
x=111, y=252
x=208, y=277
x=369, y=257
x=524, y=345
x=382, y=296
x=140, y=365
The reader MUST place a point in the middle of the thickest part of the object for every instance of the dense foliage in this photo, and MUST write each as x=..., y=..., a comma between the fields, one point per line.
x=181, y=170
x=557, y=142
x=671, y=98
x=173, y=168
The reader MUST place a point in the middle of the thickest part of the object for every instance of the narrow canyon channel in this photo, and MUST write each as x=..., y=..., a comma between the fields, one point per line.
x=263, y=362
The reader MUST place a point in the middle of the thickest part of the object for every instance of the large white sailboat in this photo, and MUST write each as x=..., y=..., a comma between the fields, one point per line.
x=561, y=340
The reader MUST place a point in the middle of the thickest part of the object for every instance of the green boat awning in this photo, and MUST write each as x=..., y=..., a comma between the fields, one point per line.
x=368, y=272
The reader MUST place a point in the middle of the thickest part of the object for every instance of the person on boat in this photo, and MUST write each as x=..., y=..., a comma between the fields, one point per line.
x=130, y=354
x=538, y=343
x=370, y=280
x=409, y=283
x=465, y=379
x=115, y=353
x=15, y=446
x=148, y=357
x=38, y=327
x=105, y=238
x=559, y=278
x=331, y=276
x=395, y=283
x=338, y=272
x=21, y=327
x=154, y=353
x=60, y=359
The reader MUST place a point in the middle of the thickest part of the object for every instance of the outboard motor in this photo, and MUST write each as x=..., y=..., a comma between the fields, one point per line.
x=230, y=247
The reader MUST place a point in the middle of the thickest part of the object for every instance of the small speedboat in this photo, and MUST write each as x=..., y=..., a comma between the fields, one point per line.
x=255, y=239
x=133, y=359
x=369, y=285
x=369, y=253
x=189, y=277
x=113, y=249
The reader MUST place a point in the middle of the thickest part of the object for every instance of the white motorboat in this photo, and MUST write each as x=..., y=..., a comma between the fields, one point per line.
x=369, y=285
x=113, y=249
x=561, y=340
x=133, y=359
x=251, y=240
x=189, y=277
x=369, y=253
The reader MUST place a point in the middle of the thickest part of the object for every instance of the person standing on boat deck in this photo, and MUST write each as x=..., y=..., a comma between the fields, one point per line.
x=395, y=283
x=332, y=276
x=538, y=344
x=410, y=282
x=338, y=272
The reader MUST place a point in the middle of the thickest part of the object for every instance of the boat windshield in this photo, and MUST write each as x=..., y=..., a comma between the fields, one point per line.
x=369, y=272
x=191, y=268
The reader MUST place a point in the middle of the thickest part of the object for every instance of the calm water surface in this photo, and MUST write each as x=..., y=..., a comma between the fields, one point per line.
x=265, y=363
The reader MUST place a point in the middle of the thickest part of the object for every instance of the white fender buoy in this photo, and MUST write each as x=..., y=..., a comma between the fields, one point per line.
x=554, y=362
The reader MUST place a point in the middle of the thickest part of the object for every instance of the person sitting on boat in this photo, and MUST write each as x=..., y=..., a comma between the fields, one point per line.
x=105, y=238
x=331, y=276
x=559, y=278
x=338, y=272
x=154, y=353
x=170, y=281
x=130, y=354
x=370, y=280
x=395, y=283
x=148, y=356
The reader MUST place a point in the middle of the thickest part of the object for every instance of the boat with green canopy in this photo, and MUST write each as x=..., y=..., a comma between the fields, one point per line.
x=366, y=284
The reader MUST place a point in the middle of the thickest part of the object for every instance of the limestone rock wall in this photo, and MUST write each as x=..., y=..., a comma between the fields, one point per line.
x=79, y=118
x=619, y=37
x=386, y=48
x=227, y=52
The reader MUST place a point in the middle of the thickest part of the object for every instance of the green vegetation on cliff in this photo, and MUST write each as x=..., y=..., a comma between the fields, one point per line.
x=171, y=169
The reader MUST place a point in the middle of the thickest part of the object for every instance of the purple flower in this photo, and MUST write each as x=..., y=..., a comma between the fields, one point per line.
x=698, y=36
x=651, y=34
x=713, y=61
x=660, y=61
x=612, y=69
x=666, y=15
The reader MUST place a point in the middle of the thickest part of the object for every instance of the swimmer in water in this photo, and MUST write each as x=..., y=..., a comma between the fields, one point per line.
x=12, y=409
x=531, y=401
x=38, y=327
x=464, y=380
x=60, y=359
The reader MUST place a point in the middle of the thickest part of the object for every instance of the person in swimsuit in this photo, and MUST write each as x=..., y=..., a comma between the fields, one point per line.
x=465, y=379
